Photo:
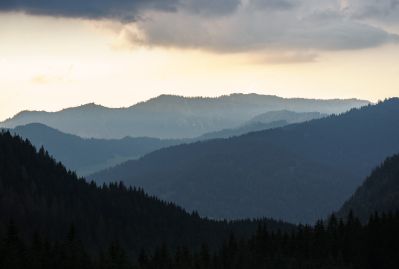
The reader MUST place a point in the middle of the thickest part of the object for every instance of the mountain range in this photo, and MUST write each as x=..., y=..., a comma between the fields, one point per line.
x=305, y=169
x=52, y=219
x=298, y=173
x=176, y=117
x=86, y=156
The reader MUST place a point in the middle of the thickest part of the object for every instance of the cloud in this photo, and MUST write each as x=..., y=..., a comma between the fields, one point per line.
x=287, y=57
x=273, y=4
x=294, y=25
x=381, y=10
x=232, y=26
x=121, y=10
x=210, y=7
x=124, y=10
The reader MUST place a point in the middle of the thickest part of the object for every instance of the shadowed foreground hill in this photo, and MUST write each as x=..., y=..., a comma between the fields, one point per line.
x=379, y=193
x=169, y=116
x=298, y=173
x=41, y=196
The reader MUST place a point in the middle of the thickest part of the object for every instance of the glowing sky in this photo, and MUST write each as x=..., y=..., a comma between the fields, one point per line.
x=65, y=53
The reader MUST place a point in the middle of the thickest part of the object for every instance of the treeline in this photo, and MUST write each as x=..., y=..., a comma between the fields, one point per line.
x=332, y=244
x=41, y=196
x=297, y=173
x=379, y=192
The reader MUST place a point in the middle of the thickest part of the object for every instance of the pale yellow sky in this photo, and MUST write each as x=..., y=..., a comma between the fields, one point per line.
x=50, y=63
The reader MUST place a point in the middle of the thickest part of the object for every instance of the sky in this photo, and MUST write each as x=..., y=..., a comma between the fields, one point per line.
x=56, y=53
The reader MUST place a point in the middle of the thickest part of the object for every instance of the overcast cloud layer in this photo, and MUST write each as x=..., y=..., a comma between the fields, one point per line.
x=124, y=10
x=236, y=25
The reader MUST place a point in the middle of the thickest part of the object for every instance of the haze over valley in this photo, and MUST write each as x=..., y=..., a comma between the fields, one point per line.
x=197, y=134
x=179, y=117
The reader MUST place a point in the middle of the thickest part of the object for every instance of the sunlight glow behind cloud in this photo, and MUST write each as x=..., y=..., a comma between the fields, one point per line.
x=122, y=55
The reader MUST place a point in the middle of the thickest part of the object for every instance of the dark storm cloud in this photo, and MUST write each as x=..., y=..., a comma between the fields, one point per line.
x=127, y=9
x=234, y=25
x=123, y=10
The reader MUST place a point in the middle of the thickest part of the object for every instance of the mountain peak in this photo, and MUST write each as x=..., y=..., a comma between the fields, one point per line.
x=88, y=106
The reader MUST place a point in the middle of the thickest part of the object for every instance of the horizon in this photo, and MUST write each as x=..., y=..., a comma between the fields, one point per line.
x=4, y=118
x=62, y=54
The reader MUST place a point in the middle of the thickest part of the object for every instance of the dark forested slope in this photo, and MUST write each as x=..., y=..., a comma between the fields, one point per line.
x=40, y=195
x=379, y=193
x=299, y=173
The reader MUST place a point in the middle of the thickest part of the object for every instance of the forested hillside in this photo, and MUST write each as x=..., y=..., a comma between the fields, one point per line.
x=89, y=155
x=298, y=173
x=40, y=196
x=335, y=244
x=379, y=192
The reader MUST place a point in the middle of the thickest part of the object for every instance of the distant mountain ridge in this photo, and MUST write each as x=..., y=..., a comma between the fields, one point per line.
x=265, y=121
x=168, y=116
x=86, y=156
x=287, y=115
x=297, y=173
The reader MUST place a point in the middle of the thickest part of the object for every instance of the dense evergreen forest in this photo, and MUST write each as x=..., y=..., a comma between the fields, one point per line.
x=40, y=196
x=332, y=244
x=50, y=218
x=379, y=193
x=299, y=173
